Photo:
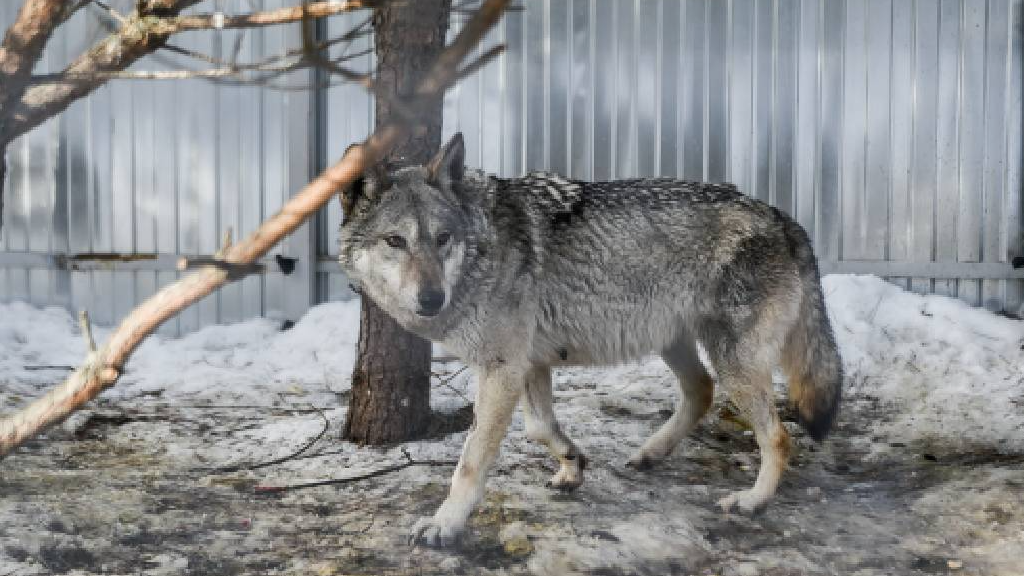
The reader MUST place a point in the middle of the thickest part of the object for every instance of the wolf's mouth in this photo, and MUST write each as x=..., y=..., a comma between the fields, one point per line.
x=428, y=312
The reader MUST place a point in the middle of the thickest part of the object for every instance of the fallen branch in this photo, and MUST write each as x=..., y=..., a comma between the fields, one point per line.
x=102, y=369
x=350, y=479
x=293, y=456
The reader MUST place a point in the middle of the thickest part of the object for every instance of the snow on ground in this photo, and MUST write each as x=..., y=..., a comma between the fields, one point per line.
x=243, y=362
x=955, y=373
x=924, y=375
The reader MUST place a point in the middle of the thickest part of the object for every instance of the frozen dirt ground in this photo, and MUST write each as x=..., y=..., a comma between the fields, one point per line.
x=924, y=473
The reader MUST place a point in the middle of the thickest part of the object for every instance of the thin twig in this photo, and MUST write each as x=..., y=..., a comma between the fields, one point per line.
x=242, y=407
x=446, y=382
x=121, y=18
x=29, y=104
x=228, y=70
x=163, y=74
x=264, y=489
x=358, y=31
x=482, y=61
x=219, y=21
x=86, y=327
x=320, y=454
x=263, y=64
x=226, y=241
x=281, y=460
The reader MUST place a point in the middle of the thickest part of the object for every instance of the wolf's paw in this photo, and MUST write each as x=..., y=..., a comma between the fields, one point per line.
x=746, y=502
x=570, y=476
x=640, y=461
x=435, y=533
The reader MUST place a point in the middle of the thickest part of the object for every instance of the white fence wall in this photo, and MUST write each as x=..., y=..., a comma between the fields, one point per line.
x=155, y=168
x=890, y=128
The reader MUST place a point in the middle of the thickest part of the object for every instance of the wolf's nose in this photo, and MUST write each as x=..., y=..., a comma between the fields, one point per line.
x=430, y=302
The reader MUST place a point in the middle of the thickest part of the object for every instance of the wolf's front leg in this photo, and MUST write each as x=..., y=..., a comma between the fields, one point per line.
x=495, y=402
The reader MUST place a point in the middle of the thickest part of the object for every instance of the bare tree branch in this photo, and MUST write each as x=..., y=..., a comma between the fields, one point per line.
x=409, y=461
x=102, y=369
x=168, y=74
x=280, y=460
x=24, y=42
x=144, y=31
x=120, y=18
x=238, y=71
x=116, y=52
x=480, y=62
x=267, y=18
x=361, y=29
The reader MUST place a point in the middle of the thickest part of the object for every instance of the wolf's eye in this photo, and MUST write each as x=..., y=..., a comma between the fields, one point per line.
x=443, y=238
x=395, y=241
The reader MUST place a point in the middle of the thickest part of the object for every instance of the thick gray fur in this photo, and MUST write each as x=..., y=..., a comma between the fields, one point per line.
x=542, y=271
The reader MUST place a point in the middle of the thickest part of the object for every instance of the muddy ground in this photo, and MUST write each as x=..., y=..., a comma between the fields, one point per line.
x=128, y=488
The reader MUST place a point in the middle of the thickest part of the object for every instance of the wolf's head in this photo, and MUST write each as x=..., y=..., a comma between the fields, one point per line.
x=405, y=234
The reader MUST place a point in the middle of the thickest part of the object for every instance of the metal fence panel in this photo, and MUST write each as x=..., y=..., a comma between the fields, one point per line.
x=891, y=130
x=158, y=167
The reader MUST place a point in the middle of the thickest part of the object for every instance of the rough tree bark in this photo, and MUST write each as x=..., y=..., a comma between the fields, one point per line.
x=3, y=175
x=391, y=378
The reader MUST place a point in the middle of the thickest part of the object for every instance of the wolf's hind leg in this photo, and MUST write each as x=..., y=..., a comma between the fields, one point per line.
x=751, y=390
x=697, y=391
x=541, y=426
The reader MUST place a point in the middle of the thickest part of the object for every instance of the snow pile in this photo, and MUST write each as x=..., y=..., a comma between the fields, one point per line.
x=31, y=338
x=918, y=367
x=942, y=371
x=253, y=357
x=246, y=361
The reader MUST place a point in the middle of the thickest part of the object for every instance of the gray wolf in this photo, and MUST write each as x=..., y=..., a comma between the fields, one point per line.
x=517, y=276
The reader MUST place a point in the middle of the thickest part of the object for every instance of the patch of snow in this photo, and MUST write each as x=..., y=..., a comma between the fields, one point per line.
x=919, y=368
x=250, y=361
x=948, y=373
x=945, y=372
x=650, y=540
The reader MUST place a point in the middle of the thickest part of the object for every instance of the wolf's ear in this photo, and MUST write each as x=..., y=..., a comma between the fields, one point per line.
x=450, y=161
x=368, y=185
x=349, y=195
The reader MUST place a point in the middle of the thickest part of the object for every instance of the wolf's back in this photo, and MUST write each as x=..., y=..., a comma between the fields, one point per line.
x=810, y=356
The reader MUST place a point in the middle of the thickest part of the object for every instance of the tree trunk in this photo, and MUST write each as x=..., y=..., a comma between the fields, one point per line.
x=3, y=175
x=391, y=378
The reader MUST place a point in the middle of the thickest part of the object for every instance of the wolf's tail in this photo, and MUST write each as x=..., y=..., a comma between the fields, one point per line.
x=810, y=356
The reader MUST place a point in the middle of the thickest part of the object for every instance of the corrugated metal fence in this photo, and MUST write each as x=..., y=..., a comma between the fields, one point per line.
x=891, y=129
x=156, y=168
